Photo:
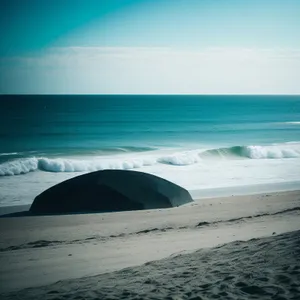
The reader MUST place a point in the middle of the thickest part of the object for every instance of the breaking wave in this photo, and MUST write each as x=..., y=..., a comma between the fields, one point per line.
x=26, y=165
x=23, y=166
x=181, y=159
x=256, y=152
x=293, y=123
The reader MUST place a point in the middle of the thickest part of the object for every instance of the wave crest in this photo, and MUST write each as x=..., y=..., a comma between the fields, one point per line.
x=181, y=159
x=26, y=165
x=19, y=166
x=23, y=166
x=259, y=152
x=256, y=152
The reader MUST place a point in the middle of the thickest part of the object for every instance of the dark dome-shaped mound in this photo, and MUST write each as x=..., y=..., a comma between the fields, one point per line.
x=110, y=190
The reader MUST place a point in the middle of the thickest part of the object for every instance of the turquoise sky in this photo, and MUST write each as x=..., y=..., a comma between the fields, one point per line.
x=33, y=28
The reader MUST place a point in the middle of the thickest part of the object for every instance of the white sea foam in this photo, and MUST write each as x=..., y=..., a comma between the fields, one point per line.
x=293, y=123
x=270, y=152
x=208, y=173
x=23, y=166
x=19, y=166
x=9, y=153
x=181, y=159
x=135, y=161
x=257, y=152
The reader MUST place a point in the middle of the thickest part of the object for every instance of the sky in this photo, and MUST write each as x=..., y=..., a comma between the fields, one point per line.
x=150, y=47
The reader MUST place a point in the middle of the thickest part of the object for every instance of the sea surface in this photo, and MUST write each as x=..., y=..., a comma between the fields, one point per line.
x=200, y=142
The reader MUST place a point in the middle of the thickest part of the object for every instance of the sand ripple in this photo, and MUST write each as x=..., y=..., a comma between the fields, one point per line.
x=98, y=238
x=267, y=268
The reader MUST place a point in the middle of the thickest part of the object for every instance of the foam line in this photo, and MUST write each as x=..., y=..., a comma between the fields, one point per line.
x=26, y=165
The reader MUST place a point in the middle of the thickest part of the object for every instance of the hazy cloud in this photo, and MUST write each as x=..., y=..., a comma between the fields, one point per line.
x=153, y=70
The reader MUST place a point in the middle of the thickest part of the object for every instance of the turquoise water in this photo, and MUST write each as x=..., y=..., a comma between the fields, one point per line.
x=65, y=124
x=196, y=141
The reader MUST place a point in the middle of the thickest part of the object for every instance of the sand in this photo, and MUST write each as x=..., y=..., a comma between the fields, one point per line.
x=266, y=268
x=87, y=254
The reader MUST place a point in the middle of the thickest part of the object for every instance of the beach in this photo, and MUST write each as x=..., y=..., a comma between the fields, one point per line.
x=155, y=254
x=202, y=143
x=237, y=156
x=149, y=150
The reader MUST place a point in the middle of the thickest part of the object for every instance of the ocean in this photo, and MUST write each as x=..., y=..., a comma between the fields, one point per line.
x=204, y=143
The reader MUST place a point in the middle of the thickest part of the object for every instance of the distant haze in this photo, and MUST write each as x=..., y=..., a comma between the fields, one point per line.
x=150, y=47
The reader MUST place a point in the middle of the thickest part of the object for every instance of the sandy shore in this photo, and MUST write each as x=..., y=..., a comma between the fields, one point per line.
x=36, y=252
x=265, y=268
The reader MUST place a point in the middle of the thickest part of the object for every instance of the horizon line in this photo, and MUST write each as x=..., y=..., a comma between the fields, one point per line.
x=127, y=94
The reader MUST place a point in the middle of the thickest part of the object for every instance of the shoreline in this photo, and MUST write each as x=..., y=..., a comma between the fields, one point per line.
x=198, y=194
x=245, y=190
x=40, y=250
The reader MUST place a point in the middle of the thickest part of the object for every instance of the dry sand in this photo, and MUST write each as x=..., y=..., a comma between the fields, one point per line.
x=36, y=252
x=266, y=268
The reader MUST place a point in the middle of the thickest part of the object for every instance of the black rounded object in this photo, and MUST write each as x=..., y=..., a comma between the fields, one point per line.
x=108, y=191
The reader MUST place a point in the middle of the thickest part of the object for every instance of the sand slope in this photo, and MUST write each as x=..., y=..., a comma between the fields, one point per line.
x=36, y=252
x=266, y=268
